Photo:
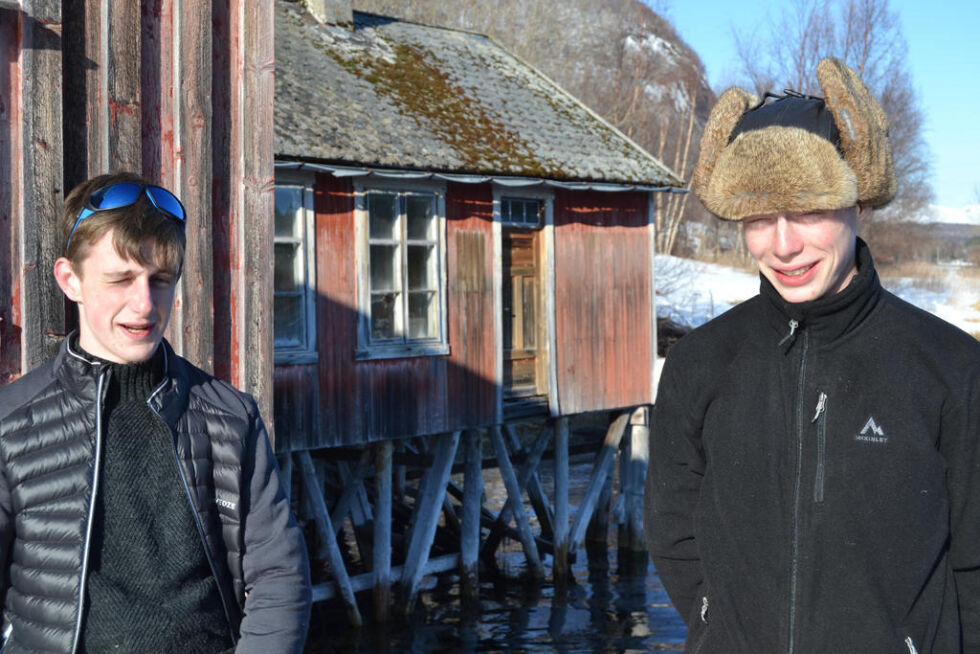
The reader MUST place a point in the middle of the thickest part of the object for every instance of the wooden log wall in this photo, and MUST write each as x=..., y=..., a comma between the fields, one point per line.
x=179, y=91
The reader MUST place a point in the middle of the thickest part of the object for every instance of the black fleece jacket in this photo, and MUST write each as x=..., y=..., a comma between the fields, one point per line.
x=814, y=480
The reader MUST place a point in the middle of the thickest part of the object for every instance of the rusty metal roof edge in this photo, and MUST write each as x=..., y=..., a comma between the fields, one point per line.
x=503, y=180
x=643, y=151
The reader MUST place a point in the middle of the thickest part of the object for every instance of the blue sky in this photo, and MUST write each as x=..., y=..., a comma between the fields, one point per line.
x=944, y=59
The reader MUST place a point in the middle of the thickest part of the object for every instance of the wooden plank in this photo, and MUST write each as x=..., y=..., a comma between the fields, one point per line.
x=191, y=162
x=603, y=466
x=123, y=84
x=597, y=533
x=472, y=503
x=328, y=539
x=515, y=503
x=328, y=590
x=43, y=305
x=561, y=570
x=256, y=132
x=381, y=567
x=11, y=220
x=429, y=504
x=530, y=465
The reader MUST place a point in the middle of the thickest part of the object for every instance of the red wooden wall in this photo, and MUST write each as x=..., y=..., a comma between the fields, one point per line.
x=604, y=318
x=179, y=91
x=362, y=401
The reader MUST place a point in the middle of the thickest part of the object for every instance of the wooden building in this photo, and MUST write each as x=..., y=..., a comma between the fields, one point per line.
x=459, y=242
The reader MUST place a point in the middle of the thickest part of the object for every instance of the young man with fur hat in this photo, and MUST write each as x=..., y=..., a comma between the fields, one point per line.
x=814, y=480
x=140, y=504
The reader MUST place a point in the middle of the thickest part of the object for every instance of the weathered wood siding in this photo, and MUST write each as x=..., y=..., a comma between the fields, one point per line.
x=368, y=400
x=602, y=297
x=179, y=91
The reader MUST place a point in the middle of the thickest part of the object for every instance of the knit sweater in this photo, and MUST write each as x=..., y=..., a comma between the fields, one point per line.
x=150, y=587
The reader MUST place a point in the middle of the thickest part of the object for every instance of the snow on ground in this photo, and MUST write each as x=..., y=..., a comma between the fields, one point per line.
x=692, y=292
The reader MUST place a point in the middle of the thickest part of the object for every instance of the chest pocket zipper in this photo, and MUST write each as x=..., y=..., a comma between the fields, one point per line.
x=820, y=417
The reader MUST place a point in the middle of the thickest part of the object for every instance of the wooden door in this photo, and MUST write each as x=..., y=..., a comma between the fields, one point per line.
x=523, y=319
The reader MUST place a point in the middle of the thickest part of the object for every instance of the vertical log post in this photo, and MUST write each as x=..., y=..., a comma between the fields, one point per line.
x=561, y=570
x=635, y=458
x=604, y=465
x=328, y=537
x=472, y=503
x=382, y=533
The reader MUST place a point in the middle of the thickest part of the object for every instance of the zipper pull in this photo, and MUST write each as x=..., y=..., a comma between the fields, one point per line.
x=821, y=403
x=704, y=610
x=791, y=336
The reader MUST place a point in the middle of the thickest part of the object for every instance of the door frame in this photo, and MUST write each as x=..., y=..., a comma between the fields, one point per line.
x=548, y=347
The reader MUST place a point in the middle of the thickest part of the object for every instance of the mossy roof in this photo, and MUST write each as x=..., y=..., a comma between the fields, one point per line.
x=391, y=94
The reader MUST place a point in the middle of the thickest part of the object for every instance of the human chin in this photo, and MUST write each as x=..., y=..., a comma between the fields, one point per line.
x=136, y=345
x=796, y=290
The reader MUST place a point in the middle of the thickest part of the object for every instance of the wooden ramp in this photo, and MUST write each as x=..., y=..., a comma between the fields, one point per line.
x=384, y=517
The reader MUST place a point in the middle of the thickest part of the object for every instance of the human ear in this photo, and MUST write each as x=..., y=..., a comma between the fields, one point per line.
x=68, y=280
x=864, y=213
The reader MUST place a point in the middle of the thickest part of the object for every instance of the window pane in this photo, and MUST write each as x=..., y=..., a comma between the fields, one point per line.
x=287, y=270
x=383, y=212
x=420, y=269
x=289, y=206
x=288, y=324
x=385, y=270
x=421, y=221
x=383, y=315
x=422, y=315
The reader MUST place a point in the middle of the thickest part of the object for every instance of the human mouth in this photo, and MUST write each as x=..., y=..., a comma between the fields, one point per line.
x=796, y=276
x=138, y=330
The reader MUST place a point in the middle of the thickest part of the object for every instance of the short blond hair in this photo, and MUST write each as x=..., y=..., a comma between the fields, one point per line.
x=131, y=226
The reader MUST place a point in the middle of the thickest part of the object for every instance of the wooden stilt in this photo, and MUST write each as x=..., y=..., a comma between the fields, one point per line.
x=635, y=468
x=604, y=465
x=530, y=465
x=429, y=503
x=561, y=569
x=398, y=480
x=329, y=548
x=382, y=532
x=472, y=503
x=515, y=503
x=535, y=493
x=597, y=534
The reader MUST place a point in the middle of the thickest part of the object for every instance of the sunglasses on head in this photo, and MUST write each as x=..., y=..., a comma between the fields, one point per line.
x=126, y=194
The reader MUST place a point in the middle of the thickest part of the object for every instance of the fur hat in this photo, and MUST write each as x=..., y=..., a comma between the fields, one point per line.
x=798, y=153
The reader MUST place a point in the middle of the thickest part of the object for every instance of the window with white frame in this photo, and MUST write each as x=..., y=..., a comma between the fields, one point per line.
x=521, y=211
x=293, y=280
x=402, y=282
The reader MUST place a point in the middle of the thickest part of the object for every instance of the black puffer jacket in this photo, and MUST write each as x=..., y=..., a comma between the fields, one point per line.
x=816, y=488
x=50, y=425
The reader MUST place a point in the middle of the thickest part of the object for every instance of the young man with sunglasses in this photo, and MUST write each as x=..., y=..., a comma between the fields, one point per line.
x=140, y=503
x=814, y=480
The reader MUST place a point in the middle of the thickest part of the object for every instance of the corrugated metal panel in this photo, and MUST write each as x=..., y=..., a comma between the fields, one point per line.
x=602, y=289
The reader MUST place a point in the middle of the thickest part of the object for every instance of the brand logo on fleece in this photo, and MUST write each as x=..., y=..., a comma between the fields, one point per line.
x=872, y=433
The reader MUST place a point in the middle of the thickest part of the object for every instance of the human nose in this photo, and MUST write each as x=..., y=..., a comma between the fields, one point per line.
x=788, y=243
x=140, y=296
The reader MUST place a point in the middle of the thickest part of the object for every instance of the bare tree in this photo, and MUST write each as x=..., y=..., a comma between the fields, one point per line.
x=866, y=34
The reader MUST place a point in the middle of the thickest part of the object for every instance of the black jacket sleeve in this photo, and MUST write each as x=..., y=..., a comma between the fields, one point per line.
x=673, y=484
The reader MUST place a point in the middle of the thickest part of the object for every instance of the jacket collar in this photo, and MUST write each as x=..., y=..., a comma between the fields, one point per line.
x=80, y=375
x=828, y=318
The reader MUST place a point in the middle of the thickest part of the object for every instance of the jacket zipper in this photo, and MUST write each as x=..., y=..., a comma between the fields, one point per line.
x=910, y=645
x=820, y=417
x=197, y=518
x=796, y=492
x=97, y=462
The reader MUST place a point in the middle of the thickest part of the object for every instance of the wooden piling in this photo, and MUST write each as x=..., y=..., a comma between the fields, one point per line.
x=604, y=465
x=635, y=459
x=561, y=570
x=515, y=503
x=382, y=532
x=472, y=503
x=429, y=504
x=329, y=549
